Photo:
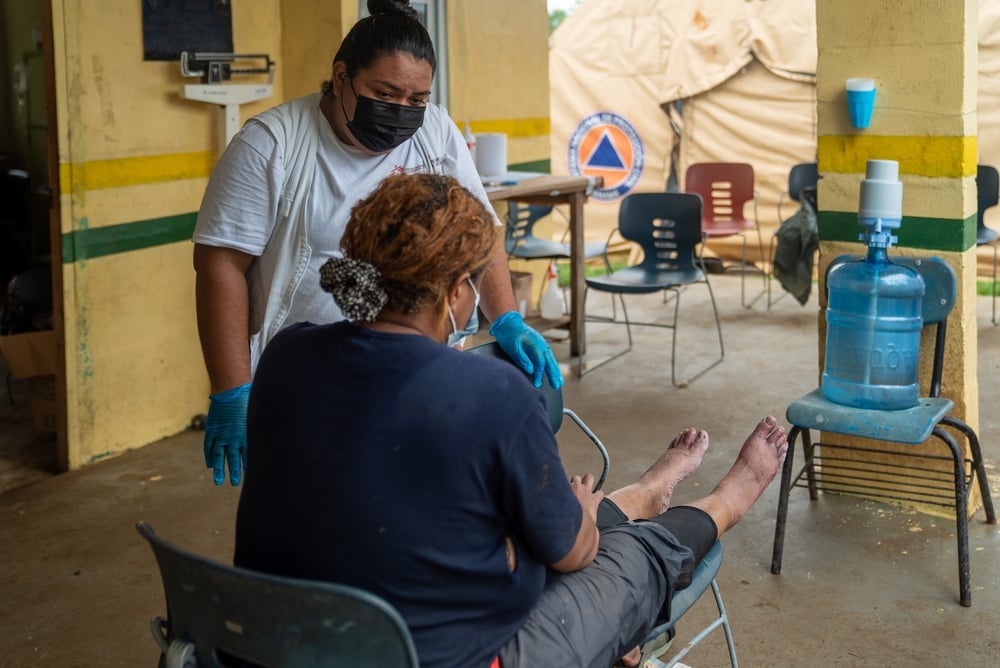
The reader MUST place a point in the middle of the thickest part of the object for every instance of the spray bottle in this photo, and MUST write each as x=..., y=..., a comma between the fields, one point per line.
x=551, y=303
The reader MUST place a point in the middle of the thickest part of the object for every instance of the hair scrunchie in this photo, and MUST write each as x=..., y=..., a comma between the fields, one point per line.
x=356, y=286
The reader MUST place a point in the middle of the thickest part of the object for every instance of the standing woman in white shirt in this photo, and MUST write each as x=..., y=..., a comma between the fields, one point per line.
x=282, y=192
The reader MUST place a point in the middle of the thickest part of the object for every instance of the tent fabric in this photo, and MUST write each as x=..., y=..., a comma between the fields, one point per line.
x=742, y=72
x=713, y=80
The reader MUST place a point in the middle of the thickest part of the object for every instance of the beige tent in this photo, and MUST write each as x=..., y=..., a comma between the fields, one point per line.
x=641, y=87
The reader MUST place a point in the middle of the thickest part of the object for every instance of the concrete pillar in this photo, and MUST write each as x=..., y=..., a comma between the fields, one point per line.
x=923, y=58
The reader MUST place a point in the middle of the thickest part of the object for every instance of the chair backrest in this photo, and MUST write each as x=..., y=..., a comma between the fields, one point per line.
x=553, y=397
x=725, y=187
x=940, y=295
x=521, y=219
x=230, y=613
x=988, y=187
x=803, y=175
x=666, y=225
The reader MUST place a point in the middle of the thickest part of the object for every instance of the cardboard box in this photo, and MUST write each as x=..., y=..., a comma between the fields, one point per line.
x=521, y=283
x=30, y=354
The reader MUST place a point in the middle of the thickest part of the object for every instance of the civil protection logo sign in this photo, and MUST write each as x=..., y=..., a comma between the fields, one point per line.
x=605, y=144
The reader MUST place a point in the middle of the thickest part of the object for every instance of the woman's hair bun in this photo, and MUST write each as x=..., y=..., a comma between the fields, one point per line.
x=392, y=7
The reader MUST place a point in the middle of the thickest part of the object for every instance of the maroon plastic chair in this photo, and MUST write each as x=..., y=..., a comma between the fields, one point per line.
x=725, y=188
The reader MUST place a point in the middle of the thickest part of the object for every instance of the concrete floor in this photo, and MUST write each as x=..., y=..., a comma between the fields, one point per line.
x=863, y=584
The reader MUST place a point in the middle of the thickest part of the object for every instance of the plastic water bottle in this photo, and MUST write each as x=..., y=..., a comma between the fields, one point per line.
x=551, y=303
x=874, y=309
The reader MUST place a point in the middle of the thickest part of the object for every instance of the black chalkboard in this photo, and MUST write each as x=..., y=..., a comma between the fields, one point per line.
x=172, y=26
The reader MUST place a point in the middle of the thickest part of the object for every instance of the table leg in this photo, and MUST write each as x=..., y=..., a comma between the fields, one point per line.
x=577, y=342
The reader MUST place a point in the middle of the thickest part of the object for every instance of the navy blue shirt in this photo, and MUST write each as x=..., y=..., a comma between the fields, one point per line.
x=396, y=464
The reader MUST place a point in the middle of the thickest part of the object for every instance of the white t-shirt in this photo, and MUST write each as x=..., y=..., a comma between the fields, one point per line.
x=241, y=202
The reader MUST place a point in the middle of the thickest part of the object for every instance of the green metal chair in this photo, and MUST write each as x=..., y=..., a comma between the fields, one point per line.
x=220, y=615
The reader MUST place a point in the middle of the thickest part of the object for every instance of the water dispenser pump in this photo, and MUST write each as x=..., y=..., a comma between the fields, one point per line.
x=874, y=308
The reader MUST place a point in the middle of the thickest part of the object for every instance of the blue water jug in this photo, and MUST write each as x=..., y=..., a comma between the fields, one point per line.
x=874, y=310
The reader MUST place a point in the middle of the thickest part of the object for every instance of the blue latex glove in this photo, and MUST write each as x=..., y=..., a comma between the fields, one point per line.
x=527, y=348
x=226, y=434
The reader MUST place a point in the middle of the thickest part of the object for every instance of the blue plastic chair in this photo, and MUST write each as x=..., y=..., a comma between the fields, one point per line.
x=988, y=194
x=861, y=471
x=521, y=243
x=667, y=228
x=220, y=615
x=556, y=410
x=660, y=639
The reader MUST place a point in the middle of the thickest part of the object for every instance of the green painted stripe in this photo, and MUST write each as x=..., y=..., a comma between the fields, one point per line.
x=91, y=242
x=946, y=234
x=94, y=242
x=542, y=166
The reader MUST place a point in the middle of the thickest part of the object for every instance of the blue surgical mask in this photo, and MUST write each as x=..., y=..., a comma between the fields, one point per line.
x=458, y=335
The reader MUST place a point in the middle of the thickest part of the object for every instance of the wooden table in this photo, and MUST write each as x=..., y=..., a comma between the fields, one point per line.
x=573, y=191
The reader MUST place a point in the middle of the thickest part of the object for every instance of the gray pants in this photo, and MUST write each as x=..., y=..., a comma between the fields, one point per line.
x=593, y=616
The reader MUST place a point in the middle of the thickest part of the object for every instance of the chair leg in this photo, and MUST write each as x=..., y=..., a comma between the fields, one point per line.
x=673, y=342
x=581, y=367
x=726, y=627
x=745, y=267
x=783, y=492
x=722, y=620
x=994, y=294
x=977, y=464
x=961, y=518
x=771, y=251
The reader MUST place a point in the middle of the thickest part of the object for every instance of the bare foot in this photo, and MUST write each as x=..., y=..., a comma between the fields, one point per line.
x=756, y=466
x=650, y=496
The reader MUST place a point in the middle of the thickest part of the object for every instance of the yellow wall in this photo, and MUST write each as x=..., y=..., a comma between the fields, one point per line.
x=498, y=55
x=134, y=159
x=923, y=58
x=130, y=150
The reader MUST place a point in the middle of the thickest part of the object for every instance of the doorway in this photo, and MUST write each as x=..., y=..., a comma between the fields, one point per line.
x=28, y=440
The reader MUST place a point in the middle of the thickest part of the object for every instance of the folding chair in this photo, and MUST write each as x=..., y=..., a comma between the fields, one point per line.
x=220, y=615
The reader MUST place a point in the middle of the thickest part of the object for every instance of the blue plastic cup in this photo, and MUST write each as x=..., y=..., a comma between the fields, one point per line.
x=860, y=101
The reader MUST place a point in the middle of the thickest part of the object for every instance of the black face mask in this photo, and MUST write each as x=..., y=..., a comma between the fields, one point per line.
x=382, y=126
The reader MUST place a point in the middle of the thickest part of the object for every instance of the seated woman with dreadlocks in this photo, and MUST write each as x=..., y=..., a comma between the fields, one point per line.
x=380, y=456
